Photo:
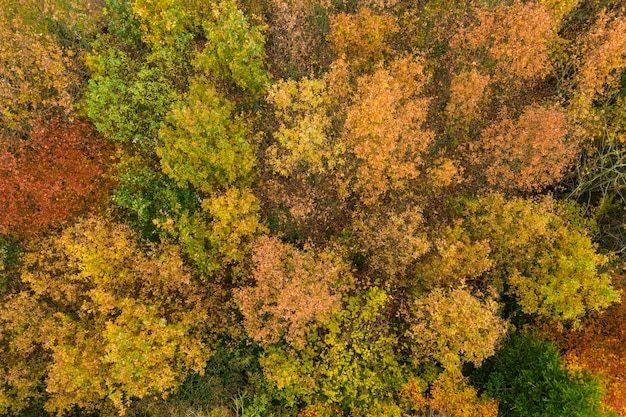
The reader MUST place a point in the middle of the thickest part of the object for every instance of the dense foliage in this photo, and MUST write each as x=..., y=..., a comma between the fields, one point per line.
x=312, y=208
x=528, y=379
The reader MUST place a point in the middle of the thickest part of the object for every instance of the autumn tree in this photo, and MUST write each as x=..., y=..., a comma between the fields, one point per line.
x=41, y=57
x=213, y=231
x=548, y=264
x=597, y=348
x=454, y=259
x=362, y=38
x=468, y=94
x=304, y=138
x=210, y=149
x=328, y=155
x=560, y=8
x=451, y=395
x=137, y=74
x=147, y=196
x=305, y=192
x=23, y=367
x=601, y=58
x=350, y=369
x=296, y=37
x=54, y=173
x=526, y=154
x=294, y=291
x=384, y=129
x=499, y=71
x=168, y=22
x=515, y=51
x=601, y=353
x=174, y=105
x=455, y=327
x=390, y=241
x=596, y=88
x=115, y=321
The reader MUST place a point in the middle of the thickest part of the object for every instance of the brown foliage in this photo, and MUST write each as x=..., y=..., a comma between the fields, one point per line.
x=295, y=290
x=600, y=348
x=467, y=93
x=297, y=36
x=299, y=30
x=526, y=154
x=384, y=128
x=392, y=240
x=53, y=174
x=455, y=259
x=602, y=57
x=516, y=38
x=361, y=38
x=311, y=182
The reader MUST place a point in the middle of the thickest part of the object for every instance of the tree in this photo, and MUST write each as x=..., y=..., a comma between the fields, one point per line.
x=548, y=264
x=22, y=364
x=169, y=22
x=306, y=161
x=235, y=50
x=295, y=291
x=390, y=240
x=455, y=327
x=515, y=51
x=341, y=142
x=454, y=259
x=528, y=379
x=362, y=38
x=136, y=77
x=41, y=58
x=468, y=93
x=602, y=57
x=207, y=148
x=597, y=348
x=526, y=154
x=204, y=144
x=114, y=321
x=128, y=98
x=350, y=368
x=384, y=129
x=56, y=172
x=306, y=135
x=451, y=395
x=296, y=37
x=147, y=196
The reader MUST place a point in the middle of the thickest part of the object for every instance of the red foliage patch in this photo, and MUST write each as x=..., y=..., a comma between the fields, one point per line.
x=55, y=173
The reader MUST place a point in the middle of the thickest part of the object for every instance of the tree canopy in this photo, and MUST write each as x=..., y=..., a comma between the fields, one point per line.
x=312, y=208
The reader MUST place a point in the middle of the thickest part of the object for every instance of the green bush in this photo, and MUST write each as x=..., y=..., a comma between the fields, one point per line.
x=528, y=379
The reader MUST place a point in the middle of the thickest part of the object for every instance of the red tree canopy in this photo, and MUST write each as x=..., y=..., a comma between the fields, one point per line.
x=54, y=173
